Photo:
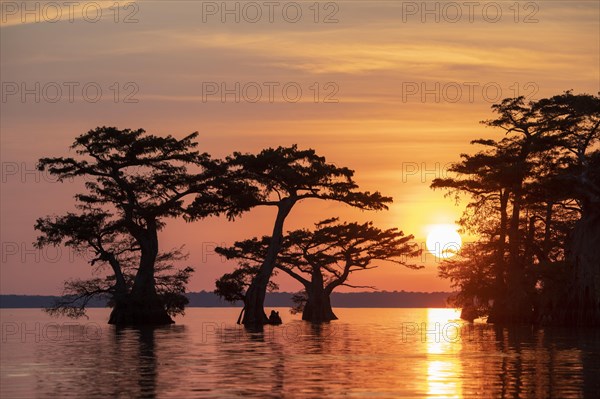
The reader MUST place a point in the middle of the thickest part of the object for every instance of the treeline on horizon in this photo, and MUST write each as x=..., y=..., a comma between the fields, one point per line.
x=534, y=202
x=379, y=299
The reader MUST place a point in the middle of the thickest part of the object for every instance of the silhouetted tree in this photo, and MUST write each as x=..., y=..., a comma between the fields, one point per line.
x=527, y=128
x=574, y=122
x=139, y=179
x=486, y=177
x=533, y=188
x=473, y=274
x=322, y=260
x=282, y=177
x=94, y=231
x=232, y=286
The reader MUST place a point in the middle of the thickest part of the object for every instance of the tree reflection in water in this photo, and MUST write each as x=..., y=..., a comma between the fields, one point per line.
x=364, y=353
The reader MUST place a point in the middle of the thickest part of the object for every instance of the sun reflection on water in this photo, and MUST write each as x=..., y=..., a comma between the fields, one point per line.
x=443, y=343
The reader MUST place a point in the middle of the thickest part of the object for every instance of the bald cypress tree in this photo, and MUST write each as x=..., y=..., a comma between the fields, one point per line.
x=140, y=180
x=281, y=178
x=323, y=259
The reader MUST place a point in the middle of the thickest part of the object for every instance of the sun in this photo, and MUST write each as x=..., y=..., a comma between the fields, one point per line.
x=443, y=240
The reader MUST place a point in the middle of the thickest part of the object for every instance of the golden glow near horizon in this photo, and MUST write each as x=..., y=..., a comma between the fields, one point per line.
x=443, y=240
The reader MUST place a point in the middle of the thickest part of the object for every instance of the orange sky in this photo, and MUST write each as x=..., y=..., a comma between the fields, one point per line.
x=409, y=90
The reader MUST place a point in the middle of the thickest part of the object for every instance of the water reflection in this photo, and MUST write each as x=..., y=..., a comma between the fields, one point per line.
x=239, y=377
x=443, y=343
x=146, y=370
x=368, y=352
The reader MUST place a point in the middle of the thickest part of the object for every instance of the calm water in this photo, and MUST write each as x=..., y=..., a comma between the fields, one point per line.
x=382, y=353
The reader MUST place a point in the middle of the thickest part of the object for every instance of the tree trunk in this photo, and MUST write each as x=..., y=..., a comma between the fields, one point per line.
x=547, y=230
x=254, y=301
x=318, y=305
x=318, y=309
x=143, y=306
x=121, y=290
x=500, y=275
x=513, y=232
x=530, y=242
x=255, y=315
x=500, y=250
x=580, y=305
x=136, y=311
x=515, y=306
x=239, y=320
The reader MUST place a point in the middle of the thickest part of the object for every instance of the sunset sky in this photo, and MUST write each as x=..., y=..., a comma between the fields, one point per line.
x=410, y=93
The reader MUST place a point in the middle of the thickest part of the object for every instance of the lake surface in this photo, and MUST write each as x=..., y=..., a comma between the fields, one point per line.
x=380, y=353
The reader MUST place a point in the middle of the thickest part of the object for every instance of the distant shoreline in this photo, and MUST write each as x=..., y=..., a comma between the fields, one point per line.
x=380, y=299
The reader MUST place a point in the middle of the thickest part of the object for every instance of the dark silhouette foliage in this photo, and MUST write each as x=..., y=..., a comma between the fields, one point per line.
x=322, y=259
x=534, y=203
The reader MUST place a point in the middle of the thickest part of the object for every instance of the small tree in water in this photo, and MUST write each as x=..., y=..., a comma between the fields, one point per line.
x=232, y=286
x=323, y=259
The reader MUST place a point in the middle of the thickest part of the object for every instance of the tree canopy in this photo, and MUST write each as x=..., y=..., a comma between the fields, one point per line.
x=322, y=259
